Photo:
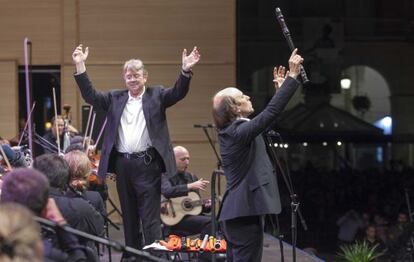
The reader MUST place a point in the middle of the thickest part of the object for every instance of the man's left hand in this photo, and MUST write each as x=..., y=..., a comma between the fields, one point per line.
x=190, y=60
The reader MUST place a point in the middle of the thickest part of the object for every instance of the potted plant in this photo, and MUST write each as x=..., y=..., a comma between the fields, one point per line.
x=358, y=252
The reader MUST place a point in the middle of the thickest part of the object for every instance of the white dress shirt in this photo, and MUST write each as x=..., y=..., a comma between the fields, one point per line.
x=132, y=131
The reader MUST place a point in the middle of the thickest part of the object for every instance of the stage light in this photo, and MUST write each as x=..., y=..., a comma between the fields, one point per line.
x=339, y=143
x=325, y=143
x=385, y=124
x=275, y=145
x=305, y=144
x=286, y=146
x=346, y=83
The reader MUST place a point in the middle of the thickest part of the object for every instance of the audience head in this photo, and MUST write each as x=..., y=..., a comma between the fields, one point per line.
x=27, y=187
x=55, y=168
x=79, y=169
x=371, y=232
x=402, y=218
x=76, y=143
x=20, y=238
x=182, y=158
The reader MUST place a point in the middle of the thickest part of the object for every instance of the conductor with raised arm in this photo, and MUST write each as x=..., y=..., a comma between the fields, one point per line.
x=252, y=189
x=136, y=143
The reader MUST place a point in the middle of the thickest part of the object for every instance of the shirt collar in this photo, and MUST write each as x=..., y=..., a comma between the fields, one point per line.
x=131, y=98
x=243, y=118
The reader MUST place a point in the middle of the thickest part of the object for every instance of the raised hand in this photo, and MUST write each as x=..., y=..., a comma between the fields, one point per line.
x=295, y=61
x=190, y=60
x=279, y=76
x=79, y=55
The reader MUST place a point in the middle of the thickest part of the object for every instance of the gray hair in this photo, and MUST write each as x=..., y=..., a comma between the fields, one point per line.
x=134, y=65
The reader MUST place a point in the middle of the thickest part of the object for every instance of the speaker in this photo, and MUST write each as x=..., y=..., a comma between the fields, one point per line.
x=98, y=123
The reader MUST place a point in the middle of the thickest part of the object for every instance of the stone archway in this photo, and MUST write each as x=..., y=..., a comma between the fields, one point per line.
x=365, y=81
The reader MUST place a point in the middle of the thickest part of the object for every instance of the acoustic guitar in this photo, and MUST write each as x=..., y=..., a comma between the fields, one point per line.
x=174, y=209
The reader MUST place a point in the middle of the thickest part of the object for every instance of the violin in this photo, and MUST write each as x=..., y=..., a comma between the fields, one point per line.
x=94, y=157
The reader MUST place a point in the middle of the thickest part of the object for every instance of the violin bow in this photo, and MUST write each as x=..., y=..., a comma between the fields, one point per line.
x=27, y=123
x=88, y=143
x=101, y=131
x=87, y=126
x=56, y=125
x=27, y=42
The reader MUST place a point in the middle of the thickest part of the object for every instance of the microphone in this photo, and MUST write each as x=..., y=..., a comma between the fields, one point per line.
x=204, y=126
x=286, y=33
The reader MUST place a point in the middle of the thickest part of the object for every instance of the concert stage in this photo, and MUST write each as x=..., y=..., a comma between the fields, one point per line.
x=271, y=250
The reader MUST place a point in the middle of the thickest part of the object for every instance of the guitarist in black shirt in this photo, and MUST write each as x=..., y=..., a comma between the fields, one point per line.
x=179, y=186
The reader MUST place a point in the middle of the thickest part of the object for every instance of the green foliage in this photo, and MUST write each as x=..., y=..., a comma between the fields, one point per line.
x=358, y=252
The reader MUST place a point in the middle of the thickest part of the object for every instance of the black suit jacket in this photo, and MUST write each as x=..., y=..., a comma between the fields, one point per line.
x=155, y=101
x=251, y=183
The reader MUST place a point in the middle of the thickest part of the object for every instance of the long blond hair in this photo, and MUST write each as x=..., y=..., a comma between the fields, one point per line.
x=79, y=169
x=20, y=239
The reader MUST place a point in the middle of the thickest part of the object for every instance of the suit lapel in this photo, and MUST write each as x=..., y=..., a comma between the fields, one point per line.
x=119, y=104
x=146, y=106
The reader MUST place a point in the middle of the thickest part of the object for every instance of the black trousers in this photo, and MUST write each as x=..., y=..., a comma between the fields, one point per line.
x=244, y=236
x=138, y=183
x=192, y=225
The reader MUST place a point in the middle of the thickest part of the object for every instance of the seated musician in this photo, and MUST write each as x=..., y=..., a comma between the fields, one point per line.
x=79, y=172
x=51, y=146
x=180, y=185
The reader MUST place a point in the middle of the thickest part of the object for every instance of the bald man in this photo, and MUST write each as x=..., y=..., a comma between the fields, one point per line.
x=179, y=185
x=252, y=191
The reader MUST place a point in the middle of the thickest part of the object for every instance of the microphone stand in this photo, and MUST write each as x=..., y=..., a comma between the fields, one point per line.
x=294, y=204
x=407, y=200
x=214, y=175
x=107, y=242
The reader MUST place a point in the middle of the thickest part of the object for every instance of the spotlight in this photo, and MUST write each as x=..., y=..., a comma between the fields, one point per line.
x=345, y=83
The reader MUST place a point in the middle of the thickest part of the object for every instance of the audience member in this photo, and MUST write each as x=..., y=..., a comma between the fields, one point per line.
x=77, y=211
x=30, y=188
x=20, y=238
x=79, y=172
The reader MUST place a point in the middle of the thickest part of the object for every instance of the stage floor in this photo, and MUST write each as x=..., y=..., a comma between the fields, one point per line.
x=271, y=249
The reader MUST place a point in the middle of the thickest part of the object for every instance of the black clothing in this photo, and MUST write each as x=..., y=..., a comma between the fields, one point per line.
x=244, y=236
x=49, y=137
x=138, y=183
x=60, y=245
x=140, y=196
x=78, y=213
x=176, y=186
x=252, y=189
x=92, y=197
x=155, y=102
